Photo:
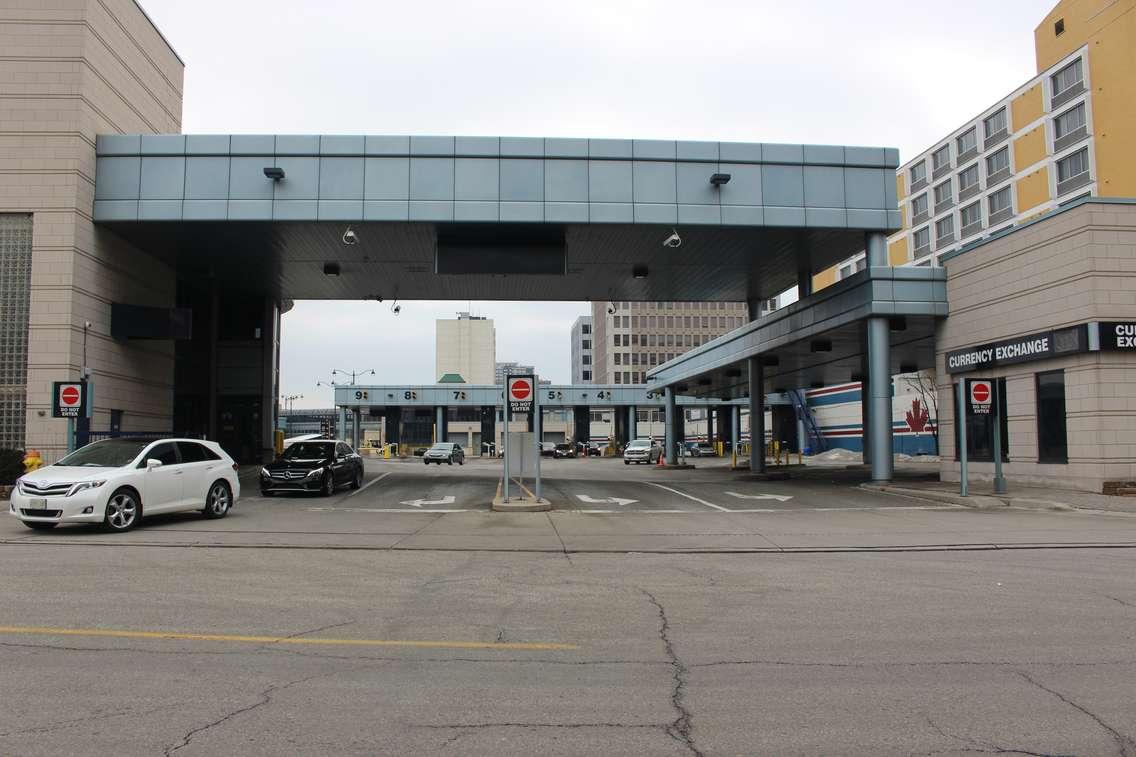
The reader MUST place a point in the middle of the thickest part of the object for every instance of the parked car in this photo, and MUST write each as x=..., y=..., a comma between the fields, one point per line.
x=563, y=450
x=316, y=465
x=116, y=482
x=547, y=449
x=445, y=452
x=703, y=449
x=595, y=449
x=642, y=451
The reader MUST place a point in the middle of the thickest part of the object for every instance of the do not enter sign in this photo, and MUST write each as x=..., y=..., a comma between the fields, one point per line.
x=69, y=400
x=981, y=395
x=520, y=391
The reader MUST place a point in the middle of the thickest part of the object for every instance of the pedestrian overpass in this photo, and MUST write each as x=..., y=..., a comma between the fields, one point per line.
x=249, y=222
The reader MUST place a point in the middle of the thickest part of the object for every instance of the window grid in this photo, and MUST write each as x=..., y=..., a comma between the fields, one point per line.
x=15, y=307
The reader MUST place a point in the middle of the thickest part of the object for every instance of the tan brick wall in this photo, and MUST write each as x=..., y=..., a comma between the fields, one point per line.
x=1073, y=267
x=72, y=69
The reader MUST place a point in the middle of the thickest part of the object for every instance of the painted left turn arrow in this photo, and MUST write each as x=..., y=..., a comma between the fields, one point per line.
x=446, y=500
x=778, y=497
x=606, y=500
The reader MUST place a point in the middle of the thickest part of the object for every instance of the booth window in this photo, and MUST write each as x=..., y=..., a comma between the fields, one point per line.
x=980, y=430
x=1052, y=441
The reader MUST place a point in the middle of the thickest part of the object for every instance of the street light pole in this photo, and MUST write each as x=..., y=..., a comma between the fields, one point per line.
x=352, y=374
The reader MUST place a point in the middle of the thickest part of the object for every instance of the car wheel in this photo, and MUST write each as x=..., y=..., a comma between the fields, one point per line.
x=328, y=488
x=122, y=511
x=219, y=501
x=627, y=462
x=425, y=462
x=357, y=482
x=461, y=461
x=451, y=461
x=38, y=526
x=265, y=493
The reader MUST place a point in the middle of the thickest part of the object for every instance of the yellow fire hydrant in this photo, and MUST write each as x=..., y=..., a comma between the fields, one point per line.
x=32, y=461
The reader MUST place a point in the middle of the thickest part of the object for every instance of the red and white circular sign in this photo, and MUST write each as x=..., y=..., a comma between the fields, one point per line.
x=69, y=396
x=980, y=392
x=520, y=389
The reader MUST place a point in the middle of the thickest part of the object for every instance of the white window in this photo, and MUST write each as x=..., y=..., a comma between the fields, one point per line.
x=1073, y=165
x=918, y=172
x=943, y=193
x=1069, y=121
x=941, y=157
x=994, y=123
x=971, y=215
x=968, y=141
x=998, y=201
x=998, y=161
x=968, y=178
x=922, y=238
x=919, y=204
x=1067, y=78
x=944, y=227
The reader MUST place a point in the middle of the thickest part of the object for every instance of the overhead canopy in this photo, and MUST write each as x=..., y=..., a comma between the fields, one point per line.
x=493, y=218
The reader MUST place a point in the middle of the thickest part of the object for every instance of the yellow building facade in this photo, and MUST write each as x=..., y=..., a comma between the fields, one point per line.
x=1068, y=132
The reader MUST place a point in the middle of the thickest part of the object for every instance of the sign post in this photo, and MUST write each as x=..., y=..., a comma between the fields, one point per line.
x=519, y=393
x=999, y=479
x=960, y=422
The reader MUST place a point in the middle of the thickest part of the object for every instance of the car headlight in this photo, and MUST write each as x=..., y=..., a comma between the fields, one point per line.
x=314, y=473
x=83, y=486
x=264, y=473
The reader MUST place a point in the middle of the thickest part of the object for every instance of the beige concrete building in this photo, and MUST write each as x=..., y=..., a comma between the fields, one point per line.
x=466, y=346
x=1048, y=310
x=632, y=337
x=71, y=69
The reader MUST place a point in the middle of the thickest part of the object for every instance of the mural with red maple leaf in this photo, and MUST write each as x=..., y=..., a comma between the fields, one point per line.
x=918, y=419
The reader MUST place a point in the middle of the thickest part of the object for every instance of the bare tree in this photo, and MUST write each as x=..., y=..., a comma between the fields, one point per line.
x=923, y=384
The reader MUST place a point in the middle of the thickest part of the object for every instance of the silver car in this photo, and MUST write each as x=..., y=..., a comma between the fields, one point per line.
x=444, y=452
x=642, y=451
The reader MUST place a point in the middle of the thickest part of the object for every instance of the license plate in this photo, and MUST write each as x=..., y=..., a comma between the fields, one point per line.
x=37, y=504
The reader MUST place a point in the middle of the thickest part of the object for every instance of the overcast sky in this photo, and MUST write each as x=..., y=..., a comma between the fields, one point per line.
x=899, y=74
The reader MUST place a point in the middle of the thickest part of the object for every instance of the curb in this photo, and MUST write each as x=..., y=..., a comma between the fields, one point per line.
x=977, y=502
x=521, y=505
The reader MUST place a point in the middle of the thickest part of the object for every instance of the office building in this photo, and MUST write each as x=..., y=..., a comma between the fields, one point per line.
x=466, y=346
x=632, y=337
x=582, y=350
x=511, y=368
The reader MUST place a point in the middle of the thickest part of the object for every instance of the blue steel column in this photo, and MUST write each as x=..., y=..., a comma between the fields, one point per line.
x=879, y=375
x=632, y=431
x=671, y=452
x=439, y=424
x=756, y=415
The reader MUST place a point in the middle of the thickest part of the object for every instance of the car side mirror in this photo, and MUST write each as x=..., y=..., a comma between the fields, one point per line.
x=151, y=464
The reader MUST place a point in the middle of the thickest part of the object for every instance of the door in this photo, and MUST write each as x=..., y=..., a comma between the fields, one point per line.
x=162, y=490
x=200, y=468
x=341, y=467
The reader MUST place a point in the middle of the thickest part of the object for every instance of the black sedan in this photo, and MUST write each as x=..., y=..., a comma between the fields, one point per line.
x=313, y=466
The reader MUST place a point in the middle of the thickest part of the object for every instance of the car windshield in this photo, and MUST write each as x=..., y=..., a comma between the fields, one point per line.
x=109, y=453
x=308, y=451
x=443, y=447
x=638, y=444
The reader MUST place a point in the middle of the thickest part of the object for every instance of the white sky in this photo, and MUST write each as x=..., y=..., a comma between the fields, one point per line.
x=896, y=73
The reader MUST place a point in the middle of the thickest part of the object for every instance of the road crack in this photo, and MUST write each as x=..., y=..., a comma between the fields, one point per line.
x=265, y=698
x=681, y=728
x=1125, y=743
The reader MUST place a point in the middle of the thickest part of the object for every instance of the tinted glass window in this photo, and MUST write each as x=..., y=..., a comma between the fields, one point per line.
x=308, y=451
x=1052, y=443
x=164, y=452
x=191, y=453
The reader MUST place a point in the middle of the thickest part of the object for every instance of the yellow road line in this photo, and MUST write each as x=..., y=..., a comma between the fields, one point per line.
x=518, y=483
x=174, y=635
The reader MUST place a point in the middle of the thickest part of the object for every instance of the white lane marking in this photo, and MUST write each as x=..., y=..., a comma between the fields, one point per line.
x=620, y=512
x=605, y=501
x=446, y=500
x=368, y=485
x=778, y=497
x=684, y=494
x=383, y=510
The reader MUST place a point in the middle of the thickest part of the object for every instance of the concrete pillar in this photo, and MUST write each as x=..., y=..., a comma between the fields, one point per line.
x=756, y=415
x=865, y=404
x=709, y=425
x=341, y=428
x=879, y=427
x=356, y=427
x=632, y=423
x=671, y=440
x=804, y=277
x=754, y=308
x=736, y=427
x=488, y=426
x=439, y=424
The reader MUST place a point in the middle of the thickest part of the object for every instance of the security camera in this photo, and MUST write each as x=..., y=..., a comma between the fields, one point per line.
x=86, y=324
x=349, y=237
x=611, y=308
x=674, y=240
x=396, y=309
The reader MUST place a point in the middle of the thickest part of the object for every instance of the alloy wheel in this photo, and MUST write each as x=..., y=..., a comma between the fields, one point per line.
x=219, y=501
x=122, y=511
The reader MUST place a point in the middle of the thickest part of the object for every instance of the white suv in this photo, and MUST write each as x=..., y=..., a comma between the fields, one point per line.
x=117, y=481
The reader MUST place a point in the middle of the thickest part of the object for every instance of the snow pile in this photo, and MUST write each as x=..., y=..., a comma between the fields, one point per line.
x=837, y=455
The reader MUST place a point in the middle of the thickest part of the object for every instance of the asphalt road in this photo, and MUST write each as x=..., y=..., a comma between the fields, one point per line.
x=363, y=652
